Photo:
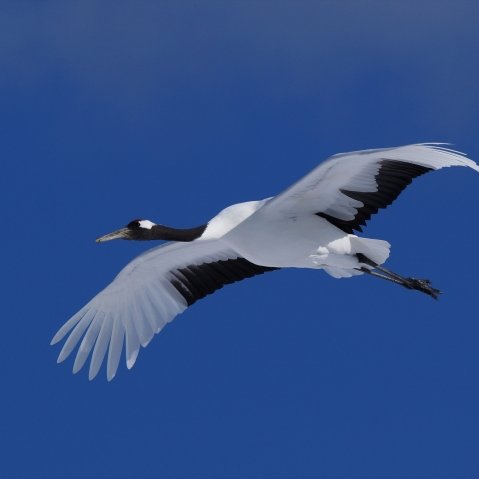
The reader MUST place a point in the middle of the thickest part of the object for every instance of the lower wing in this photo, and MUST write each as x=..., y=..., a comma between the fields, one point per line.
x=146, y=295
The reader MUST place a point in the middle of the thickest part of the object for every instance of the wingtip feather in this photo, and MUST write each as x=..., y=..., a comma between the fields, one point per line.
x=130, y=362
x=445, y=156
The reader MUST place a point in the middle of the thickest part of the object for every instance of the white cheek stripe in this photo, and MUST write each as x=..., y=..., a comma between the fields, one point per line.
x=147, y=224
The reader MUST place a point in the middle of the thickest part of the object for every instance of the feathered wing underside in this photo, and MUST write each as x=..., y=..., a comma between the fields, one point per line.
x=196, y=281
x=391, y=179
x=348, y=188
x=146, y=295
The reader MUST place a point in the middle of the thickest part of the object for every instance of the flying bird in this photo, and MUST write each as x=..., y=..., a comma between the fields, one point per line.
x=311, y=224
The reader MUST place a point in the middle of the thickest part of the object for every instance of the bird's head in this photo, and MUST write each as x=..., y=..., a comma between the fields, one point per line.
x=135, y=230
x=146, y=230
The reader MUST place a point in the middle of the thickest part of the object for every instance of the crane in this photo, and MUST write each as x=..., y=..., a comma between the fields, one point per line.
x=312, y=224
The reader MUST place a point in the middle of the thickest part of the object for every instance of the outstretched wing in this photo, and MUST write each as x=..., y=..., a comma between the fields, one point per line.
x=146, y=295
x=348, y=188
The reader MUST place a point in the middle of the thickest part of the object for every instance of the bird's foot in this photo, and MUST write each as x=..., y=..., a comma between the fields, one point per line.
x=423, y=285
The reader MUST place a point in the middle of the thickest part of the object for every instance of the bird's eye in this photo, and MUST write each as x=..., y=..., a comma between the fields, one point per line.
x=133, y=225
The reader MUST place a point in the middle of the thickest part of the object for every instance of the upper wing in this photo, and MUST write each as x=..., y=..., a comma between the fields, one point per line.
x=348, y=188
x=148, y=293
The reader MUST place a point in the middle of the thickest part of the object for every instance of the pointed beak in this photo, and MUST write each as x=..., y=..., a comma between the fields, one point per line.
x=122, y=233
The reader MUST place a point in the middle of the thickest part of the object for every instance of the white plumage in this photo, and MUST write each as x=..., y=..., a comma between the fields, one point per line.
x=310, y=225
x=135, y=306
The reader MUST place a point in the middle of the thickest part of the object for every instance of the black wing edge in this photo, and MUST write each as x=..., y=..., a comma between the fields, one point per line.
x=392, y=178
x=197, y=281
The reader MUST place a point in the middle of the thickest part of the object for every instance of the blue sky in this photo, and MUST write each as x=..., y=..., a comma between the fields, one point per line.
x=172, y=110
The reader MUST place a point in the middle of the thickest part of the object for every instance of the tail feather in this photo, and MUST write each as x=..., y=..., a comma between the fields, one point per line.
x=374, y=249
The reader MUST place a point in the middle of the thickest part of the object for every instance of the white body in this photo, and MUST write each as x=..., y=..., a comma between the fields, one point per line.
x=283, y=231
x=292, y=242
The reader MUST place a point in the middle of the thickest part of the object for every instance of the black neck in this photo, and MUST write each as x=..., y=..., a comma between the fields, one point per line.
x=161, y=232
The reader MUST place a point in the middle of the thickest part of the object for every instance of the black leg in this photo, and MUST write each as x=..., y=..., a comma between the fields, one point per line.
x=423, y=285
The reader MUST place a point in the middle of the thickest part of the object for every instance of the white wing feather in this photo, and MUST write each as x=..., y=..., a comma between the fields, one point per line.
x=320, y=189
x=134, y=307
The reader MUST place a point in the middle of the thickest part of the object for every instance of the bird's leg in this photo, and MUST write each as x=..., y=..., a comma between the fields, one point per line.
x=423, y=285
x=382, y=276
